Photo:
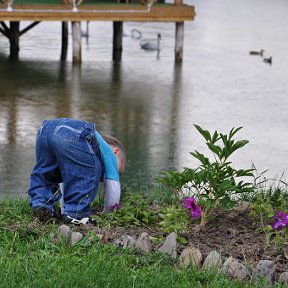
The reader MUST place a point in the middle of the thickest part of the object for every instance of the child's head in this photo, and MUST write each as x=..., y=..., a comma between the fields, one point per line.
x=118, y=150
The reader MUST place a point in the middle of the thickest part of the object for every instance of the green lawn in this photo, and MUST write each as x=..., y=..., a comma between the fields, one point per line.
x=30, y=257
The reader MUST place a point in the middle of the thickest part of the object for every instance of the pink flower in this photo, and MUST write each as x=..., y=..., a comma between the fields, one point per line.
x=195, y=210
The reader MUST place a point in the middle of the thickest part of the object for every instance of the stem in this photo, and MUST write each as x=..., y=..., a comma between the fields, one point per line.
x=145, y=225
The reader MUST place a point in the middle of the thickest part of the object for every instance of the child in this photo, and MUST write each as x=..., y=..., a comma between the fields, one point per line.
x=73, y=153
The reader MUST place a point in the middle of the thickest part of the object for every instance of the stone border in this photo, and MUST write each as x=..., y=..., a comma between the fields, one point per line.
x=192, y=256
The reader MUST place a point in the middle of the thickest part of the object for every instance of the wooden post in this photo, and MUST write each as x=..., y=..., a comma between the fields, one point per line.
x=76, y=35
x=179, y=40
x=179, y=36
x=64, y=47
x=14, y=34
x=117, y=41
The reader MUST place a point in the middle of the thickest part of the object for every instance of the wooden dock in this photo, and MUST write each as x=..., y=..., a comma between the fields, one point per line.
x=91, y=10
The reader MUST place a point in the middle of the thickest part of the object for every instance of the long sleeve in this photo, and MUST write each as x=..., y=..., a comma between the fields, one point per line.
x=111, y=174
x=112, y=193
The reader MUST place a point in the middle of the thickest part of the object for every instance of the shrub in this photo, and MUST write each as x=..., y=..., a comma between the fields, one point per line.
x=213, y=184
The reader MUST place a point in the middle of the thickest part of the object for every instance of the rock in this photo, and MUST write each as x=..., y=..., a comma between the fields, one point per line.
x=283, y=278
x=125, y=241
x=265, y=268
x=94, y=238
x=212, y=261
x=75, y=238
x=243, y=206
x=65, y=233
x=190, y=256
x=144, y=243
x=169, y=246
x=234, y=269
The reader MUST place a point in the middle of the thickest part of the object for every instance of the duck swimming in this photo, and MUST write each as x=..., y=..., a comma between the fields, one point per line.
x=268, y=60
x=260, y=53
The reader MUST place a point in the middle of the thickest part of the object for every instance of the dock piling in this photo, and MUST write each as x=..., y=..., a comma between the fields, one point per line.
x=76, y=35
x=179, y=36
x=64, y=46
x=14, y=35
x=179, y=41
x=117, y=41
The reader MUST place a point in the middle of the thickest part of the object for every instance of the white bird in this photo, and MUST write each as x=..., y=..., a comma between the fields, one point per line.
x=151, y=45
x=85, y=34
x=134, y=33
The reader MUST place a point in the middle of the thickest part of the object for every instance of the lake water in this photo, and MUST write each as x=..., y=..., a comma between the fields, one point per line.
x=151, y=104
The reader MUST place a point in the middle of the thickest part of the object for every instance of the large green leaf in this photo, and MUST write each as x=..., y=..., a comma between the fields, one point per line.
x=204, y=160
x=234, y=131
x=204, y=133
x=215, y=149
x=239, y=144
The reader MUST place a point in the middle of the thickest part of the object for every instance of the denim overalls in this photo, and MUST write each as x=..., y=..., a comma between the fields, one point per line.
x=66, y=152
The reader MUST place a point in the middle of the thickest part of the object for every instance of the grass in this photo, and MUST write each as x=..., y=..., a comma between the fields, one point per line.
x=30, y=257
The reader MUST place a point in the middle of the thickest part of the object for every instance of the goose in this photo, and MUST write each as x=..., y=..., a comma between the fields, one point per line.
x=257, y=52
x=85, y=34
x=268, y=60
x=134, y=33
x=151, y=45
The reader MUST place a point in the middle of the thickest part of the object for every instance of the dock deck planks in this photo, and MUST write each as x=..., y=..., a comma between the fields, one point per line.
x=94, y=10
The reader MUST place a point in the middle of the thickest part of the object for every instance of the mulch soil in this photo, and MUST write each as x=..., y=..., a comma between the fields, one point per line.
x=231, y=233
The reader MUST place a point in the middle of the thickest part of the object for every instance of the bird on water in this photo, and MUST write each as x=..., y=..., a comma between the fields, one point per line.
x=260, y=53
x=268, y=60
x=85, y=34
x=151, y=45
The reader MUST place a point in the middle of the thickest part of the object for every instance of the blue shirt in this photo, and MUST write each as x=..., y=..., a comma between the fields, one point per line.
x=109, y=159
x=111, y=174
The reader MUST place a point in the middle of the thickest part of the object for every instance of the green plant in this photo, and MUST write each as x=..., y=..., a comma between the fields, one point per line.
x=268, y=210
x=134, y=211
x=213, y=184
x=174, y=219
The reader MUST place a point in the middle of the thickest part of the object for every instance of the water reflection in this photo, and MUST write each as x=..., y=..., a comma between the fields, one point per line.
x=151, y=104
x=147, y=125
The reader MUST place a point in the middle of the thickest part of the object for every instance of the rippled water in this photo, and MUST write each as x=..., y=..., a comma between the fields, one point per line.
x=151, y=104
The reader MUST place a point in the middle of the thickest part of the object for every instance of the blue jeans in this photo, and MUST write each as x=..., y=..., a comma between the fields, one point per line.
x=66, y=152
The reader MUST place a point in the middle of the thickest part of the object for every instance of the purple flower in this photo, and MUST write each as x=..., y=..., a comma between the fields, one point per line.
x=115, y=207
x=195, y=210
x=188, y=203
x=281, y=220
